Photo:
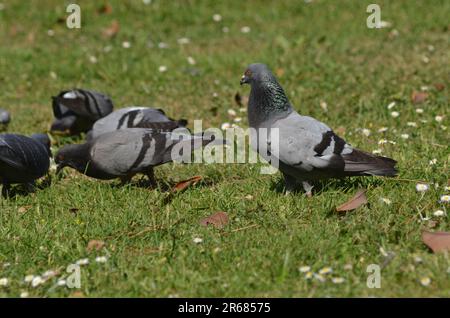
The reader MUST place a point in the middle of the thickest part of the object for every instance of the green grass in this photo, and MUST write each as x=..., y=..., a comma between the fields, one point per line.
x=321, y=51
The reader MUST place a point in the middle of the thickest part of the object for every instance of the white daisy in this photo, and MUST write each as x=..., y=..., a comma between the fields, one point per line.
x=101, y=259
x=217, y=17
x=391, y=105
x=304, y=269
x=386, y=200
x=433, y=162
x=366, y=132
x=197, y=240
x=225, y=126
x=183, y=41
x=382, y=129
x=445, y=198
x=37, y=280
x=163, y=45
x=245, y=29
x=439, y=118
x=326, y=270
x=411, y=124
x=419, y=110
x=4, y=282
x=191, y=60
x=24, y=294
x=231, y=112
x=28, y=278
x=376, y=151
x=319, y=277
x=438, y=213
x=395, y=114
x=425, y=281
x=83, y=261
x=404, y=136
x=337, y=280
x=162, y=69
x=126, y=45
x=422, y=187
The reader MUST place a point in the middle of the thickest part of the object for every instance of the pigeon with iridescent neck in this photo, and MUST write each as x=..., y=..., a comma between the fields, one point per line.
x=308, y=150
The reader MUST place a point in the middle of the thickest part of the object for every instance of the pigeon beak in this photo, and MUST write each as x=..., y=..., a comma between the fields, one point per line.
x=59, y=168
x=244, y=80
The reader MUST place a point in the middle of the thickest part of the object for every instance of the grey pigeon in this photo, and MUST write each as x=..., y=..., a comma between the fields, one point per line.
x=77, y=110
x=22, y=160
x=125, y=152
x=135, y=117
x=308, y=149
x=5, y=117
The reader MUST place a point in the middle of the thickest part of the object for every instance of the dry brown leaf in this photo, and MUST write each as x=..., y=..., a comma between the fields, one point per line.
x=279, y=72
x=182, y=185
x=24, y=208
x=418, y=97
x=439, y=86
x=437, y=241
x=218, y=220
x=355, y=202
x=112, y=30
x=96, y=245
x=105, y=9
x=77, y=294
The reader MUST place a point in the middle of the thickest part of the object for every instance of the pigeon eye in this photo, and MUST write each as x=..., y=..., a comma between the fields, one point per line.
x=248, y=73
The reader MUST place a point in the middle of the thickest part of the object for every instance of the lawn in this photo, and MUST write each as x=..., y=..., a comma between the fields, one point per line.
x=323, y=54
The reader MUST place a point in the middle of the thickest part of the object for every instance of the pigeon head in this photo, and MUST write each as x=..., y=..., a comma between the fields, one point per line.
x=267, y=98
x=257, y=73
x=74, y=156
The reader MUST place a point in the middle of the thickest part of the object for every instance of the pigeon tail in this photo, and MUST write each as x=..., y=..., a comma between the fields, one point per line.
x=360, y=163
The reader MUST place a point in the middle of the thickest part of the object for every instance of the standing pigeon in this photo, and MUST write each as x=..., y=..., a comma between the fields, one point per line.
x=77, y=110
x=5, y=117
x=308, y=150
x=22, y=160
x=125, y=152
x=135, y=117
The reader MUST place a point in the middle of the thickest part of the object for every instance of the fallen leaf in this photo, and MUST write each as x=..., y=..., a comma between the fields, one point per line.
x=112, y=30
x=24, y=208
x=105, y=9
x=238, y=99
x=76, y=294
x=218, y=220
x=279, y=72
x=182, y=185
x=418, y=97
x=355, y=202
x=95, y=245
x=437, y=241
x=439, y=86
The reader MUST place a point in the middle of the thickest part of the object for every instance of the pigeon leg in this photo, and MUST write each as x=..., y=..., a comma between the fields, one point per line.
x=308, y=188
x=151, y=176
x=290, y=184
x=126, y=179
x=5, y=190
x=30, y=187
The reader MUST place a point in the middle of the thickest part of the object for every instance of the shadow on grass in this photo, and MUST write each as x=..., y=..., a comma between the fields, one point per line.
x=322, y=186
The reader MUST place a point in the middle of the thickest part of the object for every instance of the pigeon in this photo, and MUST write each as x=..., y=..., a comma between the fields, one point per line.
x=308, y=150
x=5, y=117
x=125, y=152
x=135, y=117
x=77, y=110
x=22, y=160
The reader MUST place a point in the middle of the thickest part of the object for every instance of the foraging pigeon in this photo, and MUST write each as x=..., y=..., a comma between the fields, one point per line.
x=5, y=117
x=22, y=160
x=125, y=152
x=76, y=110
x=135, y=117
x=308, y=150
